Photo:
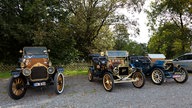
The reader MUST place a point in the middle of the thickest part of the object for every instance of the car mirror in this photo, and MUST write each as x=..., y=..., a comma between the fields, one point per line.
x=20, y=51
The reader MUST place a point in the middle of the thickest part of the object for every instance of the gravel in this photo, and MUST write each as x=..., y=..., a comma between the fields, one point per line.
x=80, y=93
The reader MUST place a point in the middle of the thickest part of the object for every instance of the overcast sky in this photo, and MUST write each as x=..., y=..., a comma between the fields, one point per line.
x=142, y=20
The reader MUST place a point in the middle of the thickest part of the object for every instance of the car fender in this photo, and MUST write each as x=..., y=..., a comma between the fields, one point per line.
x=91, y=68
x=16, y=73
x=108, y=71
x=132, y=65
x=60, y=69
x=178, y=67
x=156, y=67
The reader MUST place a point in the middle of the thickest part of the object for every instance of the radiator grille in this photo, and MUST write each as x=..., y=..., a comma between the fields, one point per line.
x=39, y=73
x=123, y=70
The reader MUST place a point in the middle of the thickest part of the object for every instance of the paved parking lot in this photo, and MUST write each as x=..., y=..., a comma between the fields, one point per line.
x=80, y=93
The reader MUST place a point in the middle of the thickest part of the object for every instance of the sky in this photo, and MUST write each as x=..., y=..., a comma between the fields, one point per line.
x=142, y=20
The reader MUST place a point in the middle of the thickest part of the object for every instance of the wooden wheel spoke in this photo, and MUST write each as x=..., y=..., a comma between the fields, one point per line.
x=60, y=83
x=18, y=86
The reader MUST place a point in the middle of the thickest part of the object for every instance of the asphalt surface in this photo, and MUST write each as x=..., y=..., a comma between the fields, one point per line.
x=80, y=93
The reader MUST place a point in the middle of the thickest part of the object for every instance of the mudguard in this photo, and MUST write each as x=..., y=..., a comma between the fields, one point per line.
x=60, y=69
x=91, y=68
x=16, y=73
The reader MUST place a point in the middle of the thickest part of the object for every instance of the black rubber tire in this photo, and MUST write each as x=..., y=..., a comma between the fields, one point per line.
x=59, y=83
x=185, y=77
x=90, y=75
x=157, y=76
x=19, y=86
x=141, y=82
x=108, y=82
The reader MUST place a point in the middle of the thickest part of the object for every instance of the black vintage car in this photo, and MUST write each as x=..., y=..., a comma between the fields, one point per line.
x=112, y=67
x=160, y=70
x=35, y=69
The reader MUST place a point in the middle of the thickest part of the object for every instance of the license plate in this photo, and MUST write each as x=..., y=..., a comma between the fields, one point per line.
x=176, y=76
x=39, y=84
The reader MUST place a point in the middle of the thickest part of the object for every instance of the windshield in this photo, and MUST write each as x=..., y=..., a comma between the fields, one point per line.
x=117, y=53
x=35, y=52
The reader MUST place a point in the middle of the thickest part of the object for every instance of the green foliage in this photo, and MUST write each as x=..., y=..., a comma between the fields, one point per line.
x=69, y=28
x=121, y=36
x=122, y=41
x=174, y=35
x=167, y=41
x=37, y=23
x=104, y=41
x=88, y=21
x=135, y=48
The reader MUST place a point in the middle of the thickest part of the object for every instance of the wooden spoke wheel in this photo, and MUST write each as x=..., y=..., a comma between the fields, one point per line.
x=59, y=83
x=157, y=76
x=90, y=75
x=183, y=76
x=108, y=82
x=16, y=87
x=140, y=79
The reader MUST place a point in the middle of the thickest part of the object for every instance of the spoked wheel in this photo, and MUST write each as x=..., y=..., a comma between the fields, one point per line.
x=90, y=75
x=183, y=76
x=59, y=83
x=108, y=82
x=16, y=88
x=157, y=76
x=140, y=79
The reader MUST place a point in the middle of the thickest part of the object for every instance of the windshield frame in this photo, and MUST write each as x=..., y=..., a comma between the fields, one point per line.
x=35, y=52
x=119, y=54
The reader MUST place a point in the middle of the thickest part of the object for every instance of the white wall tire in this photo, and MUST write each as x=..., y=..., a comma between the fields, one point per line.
x=59, y=83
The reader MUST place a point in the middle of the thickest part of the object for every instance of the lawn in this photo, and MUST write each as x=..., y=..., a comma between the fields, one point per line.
x=7, y=74
x=75, y=72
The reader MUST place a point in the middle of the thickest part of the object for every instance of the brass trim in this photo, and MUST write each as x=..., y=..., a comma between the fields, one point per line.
x=38, y=65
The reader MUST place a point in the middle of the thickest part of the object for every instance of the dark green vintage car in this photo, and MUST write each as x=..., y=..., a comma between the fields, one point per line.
x=35, y=69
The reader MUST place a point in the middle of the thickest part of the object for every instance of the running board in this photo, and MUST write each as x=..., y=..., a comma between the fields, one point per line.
x=125, y=81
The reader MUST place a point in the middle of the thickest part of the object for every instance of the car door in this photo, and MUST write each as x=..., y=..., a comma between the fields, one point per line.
x=181, y=61
x=188, y=62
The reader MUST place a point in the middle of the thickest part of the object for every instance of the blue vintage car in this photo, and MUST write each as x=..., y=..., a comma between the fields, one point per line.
x=112, y=67
x=160, y=69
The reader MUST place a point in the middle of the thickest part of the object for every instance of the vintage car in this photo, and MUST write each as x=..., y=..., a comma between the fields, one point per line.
x=160, y=69
x=113, y=68
x=36, y=70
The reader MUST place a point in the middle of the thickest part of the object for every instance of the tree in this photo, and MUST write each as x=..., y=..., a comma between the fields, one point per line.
x=169, y=11
x=104, y=41
x=70, y=28
x=135, y=48
x=167, y=41
x=35, y=23
x=88, y=18
x=121, y=36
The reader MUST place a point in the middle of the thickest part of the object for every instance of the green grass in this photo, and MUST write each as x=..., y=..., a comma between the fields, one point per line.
x=75, y=72
x=4, y=75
